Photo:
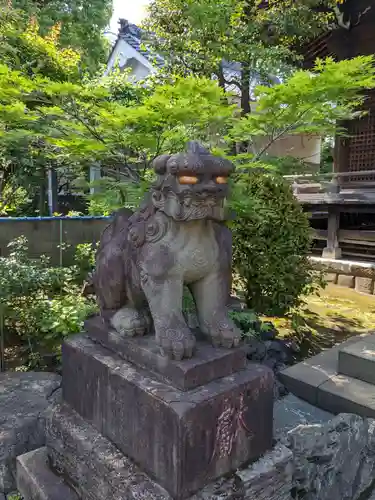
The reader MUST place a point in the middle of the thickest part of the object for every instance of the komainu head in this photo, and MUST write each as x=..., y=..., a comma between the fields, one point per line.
x=191, y=185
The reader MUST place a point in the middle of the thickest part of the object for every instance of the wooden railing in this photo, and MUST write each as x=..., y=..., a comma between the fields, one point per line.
x=325, y=191
x=327, y=182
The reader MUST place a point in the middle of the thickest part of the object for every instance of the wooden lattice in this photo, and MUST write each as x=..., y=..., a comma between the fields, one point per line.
x=361, y=144
x=317, y=48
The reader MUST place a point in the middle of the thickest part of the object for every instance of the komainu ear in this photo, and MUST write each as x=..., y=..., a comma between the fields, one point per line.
x=160, y=164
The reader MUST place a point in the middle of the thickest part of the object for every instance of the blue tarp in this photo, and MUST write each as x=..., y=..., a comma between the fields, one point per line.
x=80, y=217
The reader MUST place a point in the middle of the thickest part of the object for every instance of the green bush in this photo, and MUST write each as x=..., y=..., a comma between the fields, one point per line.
x=271, y=243
x=41, y=304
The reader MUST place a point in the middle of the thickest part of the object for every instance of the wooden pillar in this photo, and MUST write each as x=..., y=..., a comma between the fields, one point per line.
x=52, y=191
x=333, y=250
x=95, y=175
x=341, y=156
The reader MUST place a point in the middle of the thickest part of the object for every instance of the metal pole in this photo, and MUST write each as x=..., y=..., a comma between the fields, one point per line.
x=61, y=249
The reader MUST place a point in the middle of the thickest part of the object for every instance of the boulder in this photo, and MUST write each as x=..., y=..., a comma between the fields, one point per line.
x=333, y=460
x=24, y=397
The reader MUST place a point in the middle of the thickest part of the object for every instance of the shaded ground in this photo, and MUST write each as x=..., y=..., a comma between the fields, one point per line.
x=337, y=314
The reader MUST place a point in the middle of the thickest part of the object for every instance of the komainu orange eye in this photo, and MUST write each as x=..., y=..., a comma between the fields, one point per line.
x=188, y=179
x=221, y=180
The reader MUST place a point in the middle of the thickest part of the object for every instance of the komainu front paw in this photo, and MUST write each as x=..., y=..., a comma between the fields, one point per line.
x=130, y=322
x=223, y=331
x=176, y=343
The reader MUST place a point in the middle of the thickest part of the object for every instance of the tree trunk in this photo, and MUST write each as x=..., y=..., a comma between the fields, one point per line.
x=245, y=90
x=220, y=75
x=42, y=191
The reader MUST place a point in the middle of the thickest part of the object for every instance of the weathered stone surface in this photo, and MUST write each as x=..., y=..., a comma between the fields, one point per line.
x=345, y=280
x=207, y=364
x=94, y=466
x=335, y=460
x=289, y=412
x=364, y=285
x=36, y=481
x=183, y=439
x=270, y=478
x=24, y=398
x=98, y=470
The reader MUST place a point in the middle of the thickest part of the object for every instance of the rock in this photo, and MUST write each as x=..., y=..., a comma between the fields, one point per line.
x=268, y=331
x=275, y=354
x=256, y=350
x=367, y=470
x=270, y=478
x=24, y=397
x=334, y=460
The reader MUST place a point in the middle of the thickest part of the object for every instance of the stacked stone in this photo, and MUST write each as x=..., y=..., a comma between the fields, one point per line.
x=136, y=425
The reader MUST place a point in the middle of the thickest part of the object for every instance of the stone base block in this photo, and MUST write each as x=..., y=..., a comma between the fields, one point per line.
x=364, y=285
x=93, y=465
x=36, y=481
x=99, y=471
x=208, y=363
x=24, y=397
x=331, y=278
x=182, y=439
x=346, y=281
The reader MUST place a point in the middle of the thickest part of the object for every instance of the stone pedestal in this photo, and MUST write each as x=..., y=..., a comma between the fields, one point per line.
x=184, y=423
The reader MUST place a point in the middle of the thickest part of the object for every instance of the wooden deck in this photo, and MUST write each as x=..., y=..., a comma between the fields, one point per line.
x=360, y=200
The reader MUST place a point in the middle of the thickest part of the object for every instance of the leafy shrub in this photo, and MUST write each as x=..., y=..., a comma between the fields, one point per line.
x=42, y=304
x=271, y=243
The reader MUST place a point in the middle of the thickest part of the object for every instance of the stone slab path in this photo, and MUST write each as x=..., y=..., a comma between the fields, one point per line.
x=339, y=379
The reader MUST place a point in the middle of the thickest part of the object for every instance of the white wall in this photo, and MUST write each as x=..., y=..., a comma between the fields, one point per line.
x=125, y=56
x=305, y=147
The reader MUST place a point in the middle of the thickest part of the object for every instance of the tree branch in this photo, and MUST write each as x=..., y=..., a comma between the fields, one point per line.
x=286, y=129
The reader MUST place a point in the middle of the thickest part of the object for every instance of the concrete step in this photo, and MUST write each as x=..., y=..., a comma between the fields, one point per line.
x=36, y=481
x=358, y=360
x=317, y=381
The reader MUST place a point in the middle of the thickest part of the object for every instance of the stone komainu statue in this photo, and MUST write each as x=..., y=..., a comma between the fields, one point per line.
x=176, y=238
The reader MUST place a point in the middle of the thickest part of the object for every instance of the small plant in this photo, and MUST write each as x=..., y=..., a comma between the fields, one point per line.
x=14, y=496
x=42, y=304
x=247, y=321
